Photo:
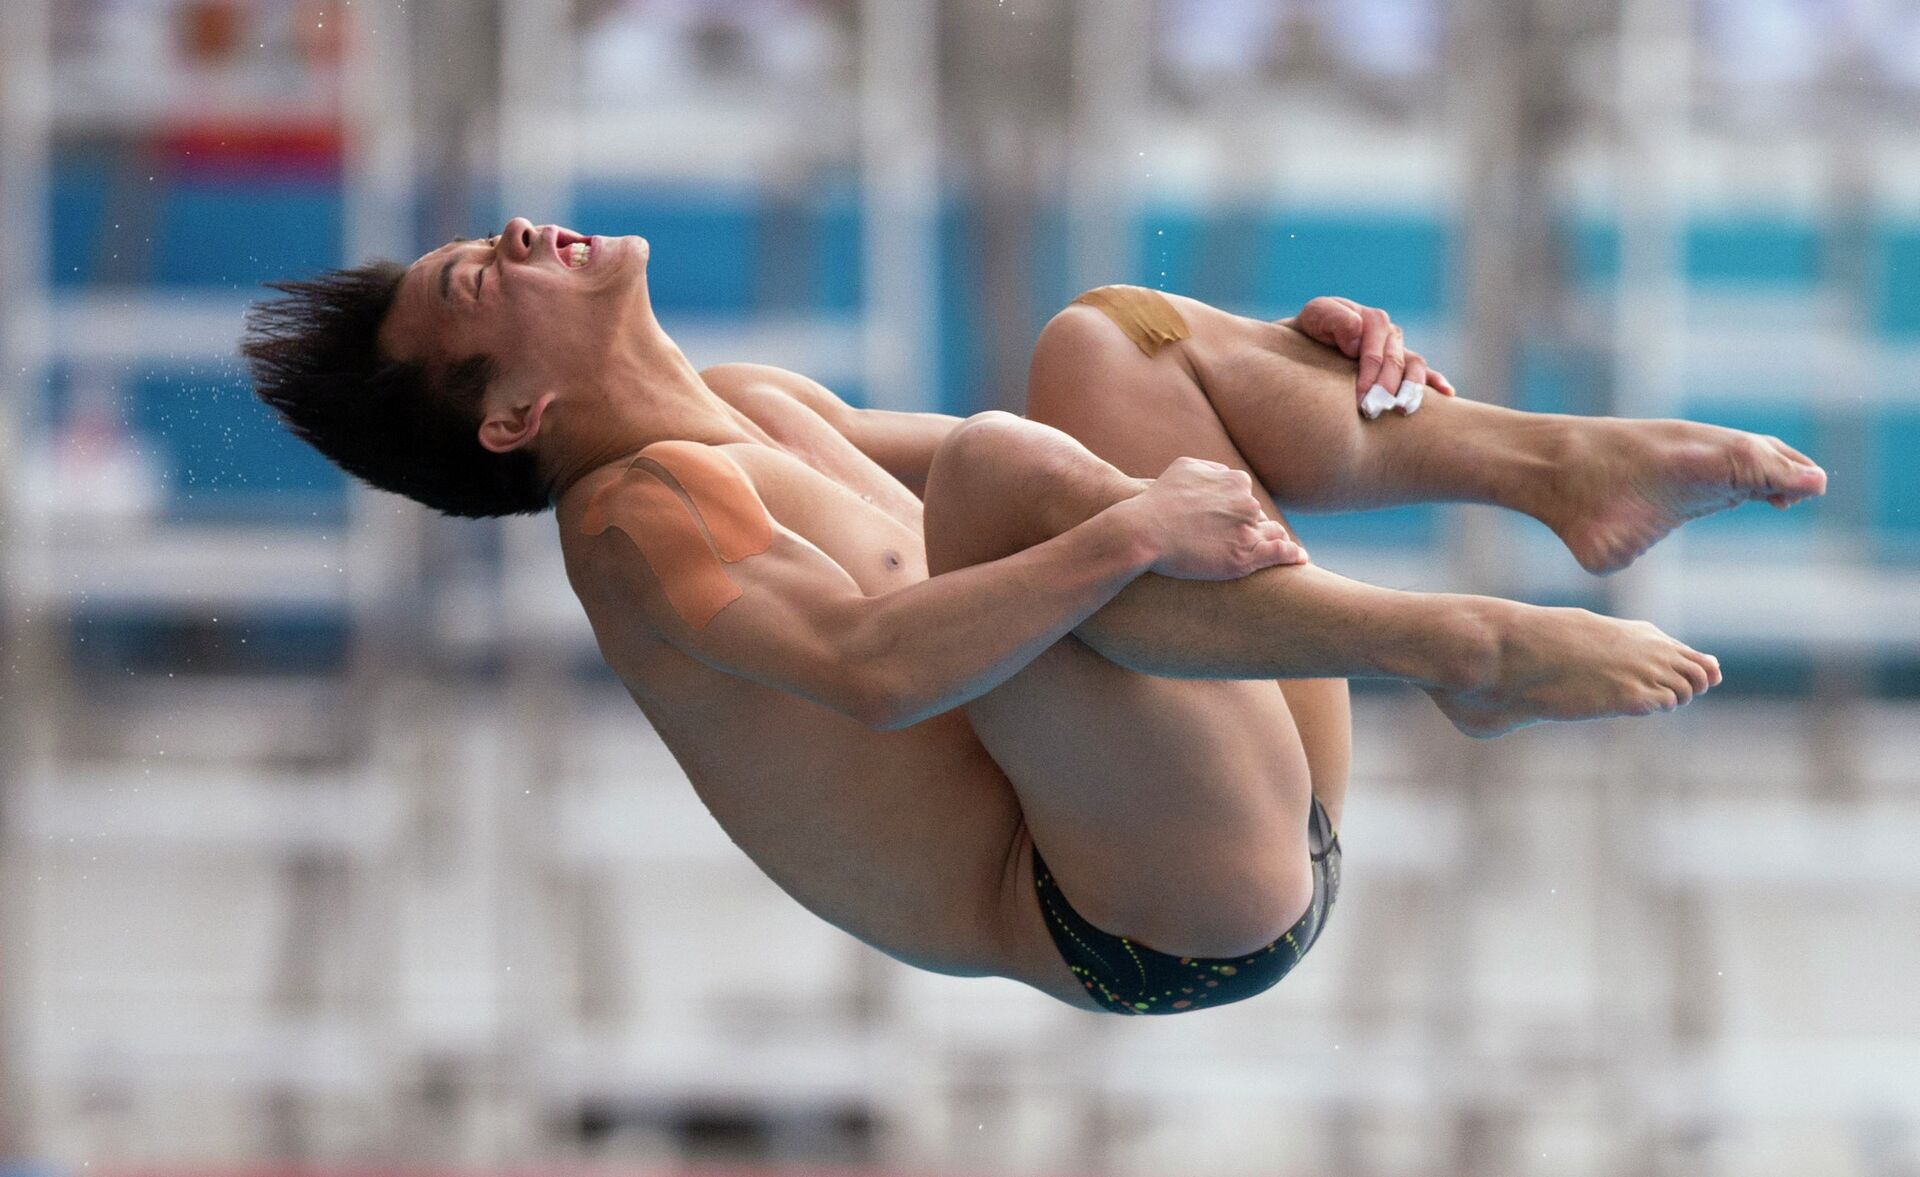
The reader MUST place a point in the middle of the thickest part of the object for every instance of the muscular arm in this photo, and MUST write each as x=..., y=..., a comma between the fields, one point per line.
x=902, y=443
x=801, y=624
x=954, y=637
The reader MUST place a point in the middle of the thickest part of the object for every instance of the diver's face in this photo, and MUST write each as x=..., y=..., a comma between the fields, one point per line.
x=543, y=302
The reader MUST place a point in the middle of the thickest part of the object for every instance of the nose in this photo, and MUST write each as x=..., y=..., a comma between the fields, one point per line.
x=517, y=238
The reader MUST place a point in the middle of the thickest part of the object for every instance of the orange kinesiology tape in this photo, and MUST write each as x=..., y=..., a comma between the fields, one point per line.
x=1147, y=316
x=687, y=542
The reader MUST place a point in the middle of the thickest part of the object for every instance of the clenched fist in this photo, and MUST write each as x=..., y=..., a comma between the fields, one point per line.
x=1203, y=521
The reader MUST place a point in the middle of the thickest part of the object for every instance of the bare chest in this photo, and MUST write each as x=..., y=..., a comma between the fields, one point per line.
x=816, y=484
x=820, y=486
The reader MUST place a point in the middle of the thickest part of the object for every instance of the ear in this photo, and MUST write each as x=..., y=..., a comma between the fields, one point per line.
x=506, y=430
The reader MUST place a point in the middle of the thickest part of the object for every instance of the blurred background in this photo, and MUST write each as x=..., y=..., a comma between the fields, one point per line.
x=326, y=844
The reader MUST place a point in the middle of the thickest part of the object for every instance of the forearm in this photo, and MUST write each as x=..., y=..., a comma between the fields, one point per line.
x=952, y=638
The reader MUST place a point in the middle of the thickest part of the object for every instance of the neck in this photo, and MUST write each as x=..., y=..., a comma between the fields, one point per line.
x=644, y=395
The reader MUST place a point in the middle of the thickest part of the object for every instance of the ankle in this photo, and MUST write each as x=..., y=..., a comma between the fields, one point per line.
x=1459, y=642
x=1549, y=452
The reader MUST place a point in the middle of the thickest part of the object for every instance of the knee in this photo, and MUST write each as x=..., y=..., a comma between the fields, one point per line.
x=999, y=483
x=974, y=445
x=1076, y=338
x=1002, y=456
x=974, y=511
x=960, y=523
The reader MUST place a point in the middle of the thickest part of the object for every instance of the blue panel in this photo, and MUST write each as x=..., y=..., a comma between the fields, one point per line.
x=961, y=363
x=839, y=251
x=1539, y=386
x=1896, y=483
x=704, y=241
x=1897, y=678
x=1593, y=251
x=1898, y=297
x=117, y=644
x=1394, y=261
x=1760, y=521
x=1753, y=252
x=226, y=453
x=1413, y=527
x=235, y=234
x=1745, y=251
x=79, y=204
x=1170, y=240
x=1776, y=670
x=1235, y=268
x=1048, y=269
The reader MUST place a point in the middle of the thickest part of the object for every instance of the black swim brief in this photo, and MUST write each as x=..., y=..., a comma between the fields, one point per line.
x=1130, y=978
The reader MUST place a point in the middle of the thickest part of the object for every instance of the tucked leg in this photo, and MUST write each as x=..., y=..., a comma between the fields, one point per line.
x=1171, y=812
x=1610, y=488
x=1140, y=413
x=1174, y=810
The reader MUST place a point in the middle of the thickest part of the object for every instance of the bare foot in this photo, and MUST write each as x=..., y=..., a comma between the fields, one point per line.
x=1572, y=664
x=1626, y=484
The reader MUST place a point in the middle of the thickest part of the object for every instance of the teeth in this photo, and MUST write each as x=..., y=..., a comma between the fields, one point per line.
x=577, y=254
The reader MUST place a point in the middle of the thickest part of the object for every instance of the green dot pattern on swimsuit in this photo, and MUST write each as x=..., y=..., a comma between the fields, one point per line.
x=1130, y=978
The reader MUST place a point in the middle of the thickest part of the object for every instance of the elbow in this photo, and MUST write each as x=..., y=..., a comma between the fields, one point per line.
x=871, y=691
x=887, y=684
x=891, y=719
x=876, y=703
x=882, y=694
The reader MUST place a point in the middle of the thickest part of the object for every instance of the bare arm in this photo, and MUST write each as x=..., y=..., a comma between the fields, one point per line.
x=801, y=624
x=901, y=443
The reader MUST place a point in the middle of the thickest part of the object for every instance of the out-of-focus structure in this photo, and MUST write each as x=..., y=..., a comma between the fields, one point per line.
x=325, y=840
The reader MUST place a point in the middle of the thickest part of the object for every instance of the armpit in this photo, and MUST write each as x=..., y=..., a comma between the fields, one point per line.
x=687, y=542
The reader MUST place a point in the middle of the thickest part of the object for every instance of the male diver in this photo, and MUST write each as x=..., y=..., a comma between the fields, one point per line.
x=1056, y=698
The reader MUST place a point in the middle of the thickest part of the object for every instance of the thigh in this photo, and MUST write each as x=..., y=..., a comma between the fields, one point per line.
x=1140, y=413
x=1171, y=811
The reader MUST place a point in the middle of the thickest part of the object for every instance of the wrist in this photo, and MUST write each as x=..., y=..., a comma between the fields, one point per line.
x=1134, y=542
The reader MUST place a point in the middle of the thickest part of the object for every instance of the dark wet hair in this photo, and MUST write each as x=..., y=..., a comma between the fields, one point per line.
x=409, y=428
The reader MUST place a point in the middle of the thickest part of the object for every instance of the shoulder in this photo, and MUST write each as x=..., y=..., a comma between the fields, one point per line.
x=664, y=530
x=737, y=382
x=675, y=481
x=730, y=495
x=733, y=377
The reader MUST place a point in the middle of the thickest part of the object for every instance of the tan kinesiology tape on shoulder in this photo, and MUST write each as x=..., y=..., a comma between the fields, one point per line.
x=687, y=542
x=1147, y=316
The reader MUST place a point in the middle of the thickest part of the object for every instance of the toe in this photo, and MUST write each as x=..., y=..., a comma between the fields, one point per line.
x=1682, y=685
x=1790, y=452
x=1695, y=672
x=1652, y=699
x=1787, y=474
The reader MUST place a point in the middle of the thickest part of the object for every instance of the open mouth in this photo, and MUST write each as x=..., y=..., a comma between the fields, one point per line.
x=575, y=251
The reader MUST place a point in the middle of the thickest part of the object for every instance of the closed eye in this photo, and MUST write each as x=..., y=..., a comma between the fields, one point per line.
x=480, y=275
